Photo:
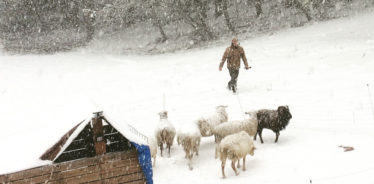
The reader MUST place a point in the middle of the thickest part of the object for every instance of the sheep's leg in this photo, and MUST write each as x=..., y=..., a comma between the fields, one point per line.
x=223, y=170
x=154, y=161
x=169, y=149
x=233, y=167
x=197, y=147
x=238, y=166
x=161, y=147
x=260, y=135
x=190, y=161
x=243, y=163
x=190, y=166
x=277, y=136
x=219, y=139
x=216, y=153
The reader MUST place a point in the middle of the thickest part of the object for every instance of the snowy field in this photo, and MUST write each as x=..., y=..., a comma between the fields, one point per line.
x=324, y=72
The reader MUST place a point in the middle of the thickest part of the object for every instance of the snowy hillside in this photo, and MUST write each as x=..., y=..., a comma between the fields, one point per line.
x=323, y=72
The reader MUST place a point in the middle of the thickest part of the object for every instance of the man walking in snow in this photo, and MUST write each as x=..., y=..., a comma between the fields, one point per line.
x=232, y=55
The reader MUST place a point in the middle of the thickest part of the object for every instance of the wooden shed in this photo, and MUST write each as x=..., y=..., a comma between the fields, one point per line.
x=94, y=151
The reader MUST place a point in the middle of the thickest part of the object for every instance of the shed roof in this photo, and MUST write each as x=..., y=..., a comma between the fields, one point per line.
x=74, y=135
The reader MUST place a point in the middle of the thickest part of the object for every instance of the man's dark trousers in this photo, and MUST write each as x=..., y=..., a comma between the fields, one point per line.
x=234, y=73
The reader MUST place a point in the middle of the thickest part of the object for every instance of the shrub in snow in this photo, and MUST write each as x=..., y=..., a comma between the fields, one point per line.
x=276, y=120
x=165, y=132
x=248, y=125
x=234, y=147
x=206, y=124
x=189, y=138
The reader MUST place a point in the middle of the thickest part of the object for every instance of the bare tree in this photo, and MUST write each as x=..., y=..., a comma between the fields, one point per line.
x=227, y=17
x=323, y=7
x=221, y=7
x=156, y=10
x=217, y=8
x=194, y=13
x=258, y=6
x=297, y=4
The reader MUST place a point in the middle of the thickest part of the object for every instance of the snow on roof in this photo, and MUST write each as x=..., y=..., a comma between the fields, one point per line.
x=127, y=131
x=55, y=150
x=73, y=136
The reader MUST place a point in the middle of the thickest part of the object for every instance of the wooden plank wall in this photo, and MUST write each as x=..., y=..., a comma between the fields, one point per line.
x=119, y=167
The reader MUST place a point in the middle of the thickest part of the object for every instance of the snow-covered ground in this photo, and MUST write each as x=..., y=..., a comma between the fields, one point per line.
x=324, y=72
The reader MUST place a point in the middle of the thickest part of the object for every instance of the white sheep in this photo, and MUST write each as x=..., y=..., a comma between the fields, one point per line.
x=165, y=132
x=189, y=138
x=153, y=148
x=234, y=147
x=231, y=127
x=206, y=124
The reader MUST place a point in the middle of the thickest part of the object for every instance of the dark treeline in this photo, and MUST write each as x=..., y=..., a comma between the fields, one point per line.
x=55, y=25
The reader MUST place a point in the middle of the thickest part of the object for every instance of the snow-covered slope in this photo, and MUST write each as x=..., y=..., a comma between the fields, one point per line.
x=324, y=72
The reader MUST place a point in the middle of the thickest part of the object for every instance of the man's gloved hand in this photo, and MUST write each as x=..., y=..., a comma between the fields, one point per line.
x=248, y=67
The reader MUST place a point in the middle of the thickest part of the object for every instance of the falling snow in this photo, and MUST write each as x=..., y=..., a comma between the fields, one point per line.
x=322, y=69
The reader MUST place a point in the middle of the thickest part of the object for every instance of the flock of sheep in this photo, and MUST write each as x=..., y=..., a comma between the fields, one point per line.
x=233, y=138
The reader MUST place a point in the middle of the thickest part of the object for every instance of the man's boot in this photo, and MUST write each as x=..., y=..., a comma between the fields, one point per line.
x=234, y=88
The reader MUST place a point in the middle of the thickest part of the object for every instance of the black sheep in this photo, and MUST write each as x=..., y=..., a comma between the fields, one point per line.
x=275, y=120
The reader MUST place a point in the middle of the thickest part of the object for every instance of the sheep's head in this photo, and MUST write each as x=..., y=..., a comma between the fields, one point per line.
x=163, y=114
x=221, y=108
x=284, y=112
x=252, y=114
x=284, y=115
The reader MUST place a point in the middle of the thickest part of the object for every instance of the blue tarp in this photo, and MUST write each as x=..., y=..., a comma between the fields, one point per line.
x=144, y=157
